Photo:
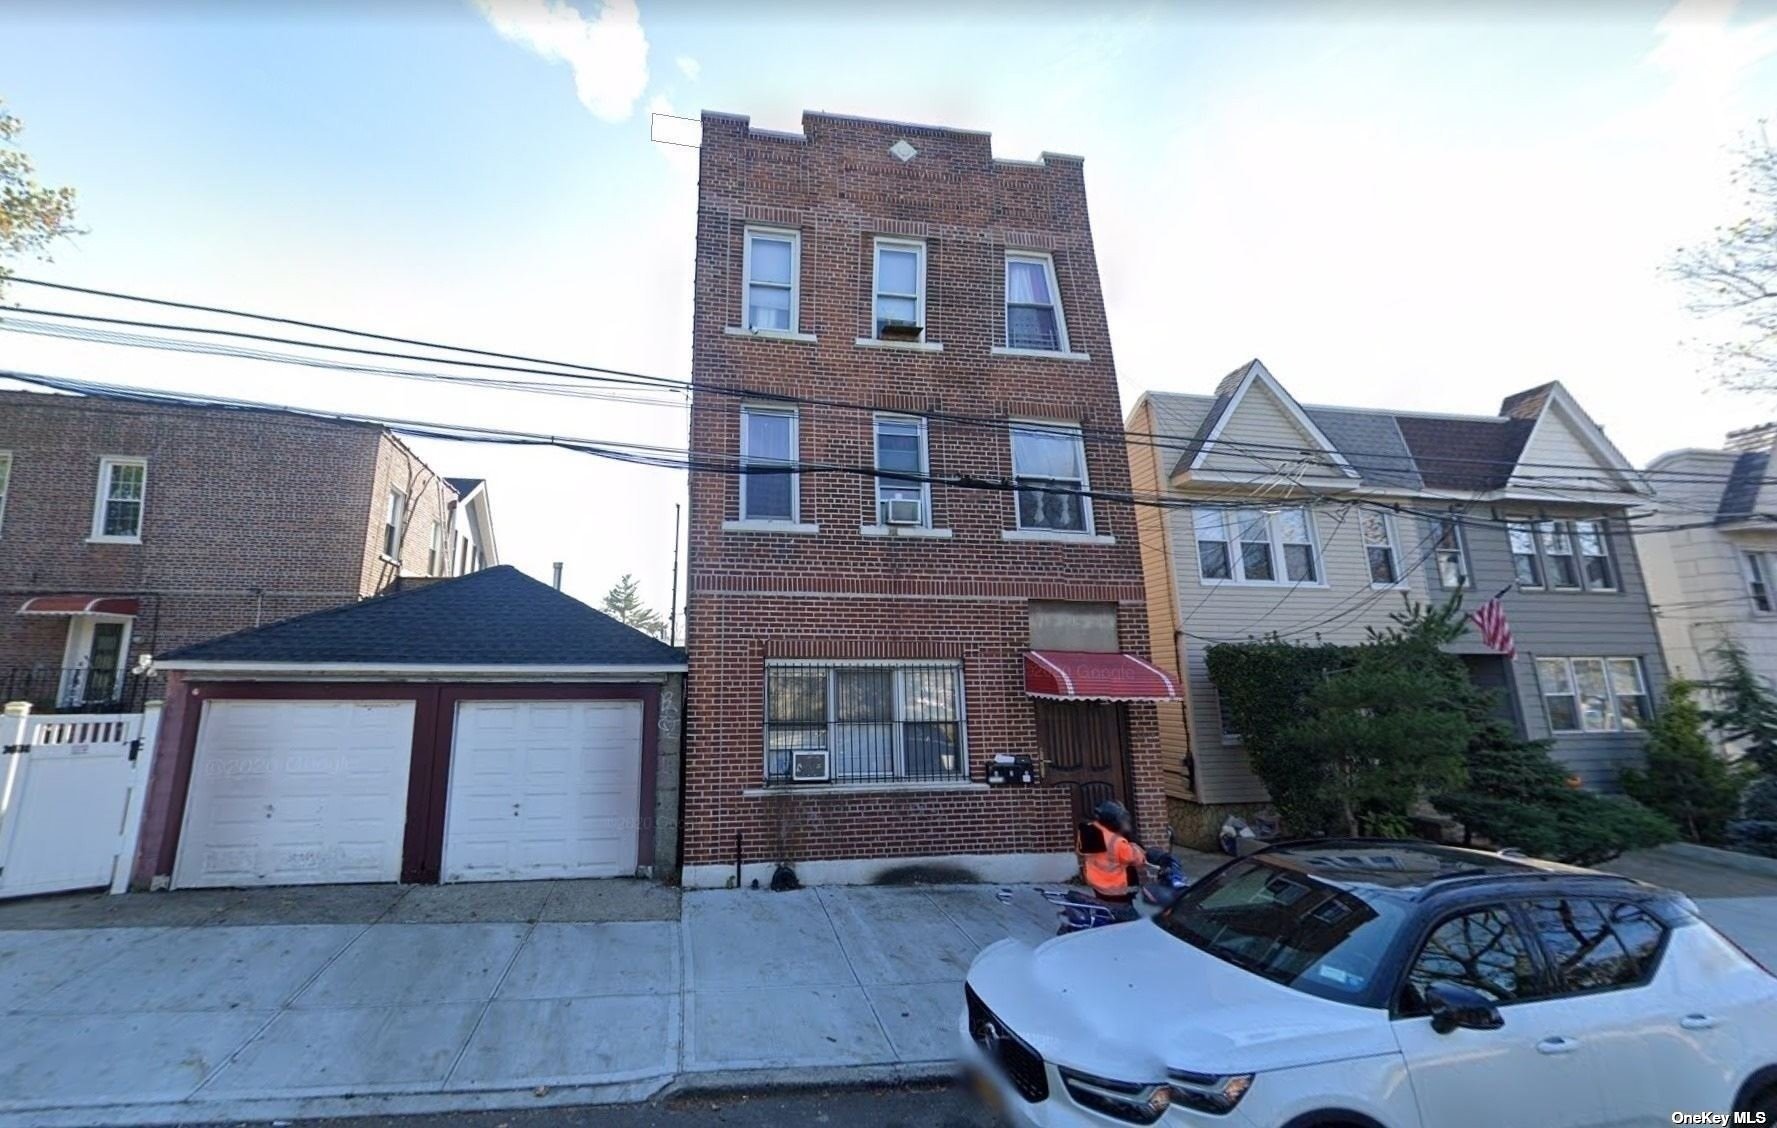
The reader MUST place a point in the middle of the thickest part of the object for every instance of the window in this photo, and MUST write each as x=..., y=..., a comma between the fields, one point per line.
x=435, y=548
x=1640, y=933
x=1225, y=717
x=392, y=524
x=1526, y=566
x=863, y=723
x=1379, y=545
x=1049, y=468
x=1584, y=952
x=1481, y=950
x=900, y=290
x=901, y=448
x=767, y=438
x=1557, y=548
x=117, y=515
x=1246, y=545
x=773, y=268
x=1595, y=555
x=1594, y=694
x=1033, y=311
x=1758, y=583
x=5, y=479
x=1451, y=556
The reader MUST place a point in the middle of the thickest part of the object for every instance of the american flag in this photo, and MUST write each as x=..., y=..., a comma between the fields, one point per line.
x=1490, y=620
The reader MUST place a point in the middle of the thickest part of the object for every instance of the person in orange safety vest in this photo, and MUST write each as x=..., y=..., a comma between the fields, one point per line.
x=1110, y=860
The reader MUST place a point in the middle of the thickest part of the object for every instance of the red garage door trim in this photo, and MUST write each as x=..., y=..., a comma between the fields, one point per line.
x=428, y=778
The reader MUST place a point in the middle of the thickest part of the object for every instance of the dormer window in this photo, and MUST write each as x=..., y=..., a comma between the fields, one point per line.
x=773, y=261
x=1033, y=313
x=900, y=307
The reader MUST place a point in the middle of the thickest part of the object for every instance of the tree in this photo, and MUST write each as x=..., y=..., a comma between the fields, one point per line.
x=32, y=216
x=1731, y=278
x=1685, y=779
x=1746, y=713
x=624, y=604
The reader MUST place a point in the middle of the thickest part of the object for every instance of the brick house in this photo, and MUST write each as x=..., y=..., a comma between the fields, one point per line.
x=893, y=298
x=129, y=528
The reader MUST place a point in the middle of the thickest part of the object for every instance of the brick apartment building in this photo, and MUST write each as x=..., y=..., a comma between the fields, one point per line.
x=891, y=298
x=130, y=528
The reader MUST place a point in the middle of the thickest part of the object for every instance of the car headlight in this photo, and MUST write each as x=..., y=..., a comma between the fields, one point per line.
x=1206, y=1092
x=1134, y=1101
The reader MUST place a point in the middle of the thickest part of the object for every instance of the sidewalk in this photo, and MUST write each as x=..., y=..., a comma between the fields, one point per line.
x=219, y=1006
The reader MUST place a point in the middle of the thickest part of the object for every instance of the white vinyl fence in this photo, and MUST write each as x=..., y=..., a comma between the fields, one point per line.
x=71, y=791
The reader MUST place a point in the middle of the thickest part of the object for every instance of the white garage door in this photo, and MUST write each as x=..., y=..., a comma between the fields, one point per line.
x=543, y=789
x=296, y=793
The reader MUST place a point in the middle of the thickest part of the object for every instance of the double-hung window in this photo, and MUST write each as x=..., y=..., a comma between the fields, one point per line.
x=5, y=484
x=394, y=520
x=1380, y=549
x=901, y=450
x=768, y=480
x=117, y=511
x=1595, y=555
x=864, y=722
x=1256, y=546
x=1033, y=304
x=900, y=289
x=1526, y=565
x=1594, y=694
x=1049, y=469
x=773, y=264
x=1557, y=546
x=1758, y=579
x=1451, y=553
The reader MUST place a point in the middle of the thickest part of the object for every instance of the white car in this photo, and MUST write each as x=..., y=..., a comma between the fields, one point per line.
x=1379, y=983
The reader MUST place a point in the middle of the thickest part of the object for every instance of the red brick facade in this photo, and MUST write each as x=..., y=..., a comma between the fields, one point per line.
x=838, y=593
x=249, y=517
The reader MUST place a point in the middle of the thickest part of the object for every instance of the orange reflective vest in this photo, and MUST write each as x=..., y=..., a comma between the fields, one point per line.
x=1107, y=871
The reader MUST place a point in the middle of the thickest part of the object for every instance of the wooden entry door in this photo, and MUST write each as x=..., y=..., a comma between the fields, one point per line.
x=1085, y=747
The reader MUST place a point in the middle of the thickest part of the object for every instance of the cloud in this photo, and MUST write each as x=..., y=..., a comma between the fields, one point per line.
x=609, y=54
x=689, y=67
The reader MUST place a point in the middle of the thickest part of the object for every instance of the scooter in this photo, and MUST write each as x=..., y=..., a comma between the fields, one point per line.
x=1079, y=911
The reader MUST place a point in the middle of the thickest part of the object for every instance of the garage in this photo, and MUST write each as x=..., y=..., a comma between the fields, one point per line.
x=482, y=728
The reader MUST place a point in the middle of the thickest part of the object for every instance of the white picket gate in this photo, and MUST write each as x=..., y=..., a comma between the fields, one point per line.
x=71, y=790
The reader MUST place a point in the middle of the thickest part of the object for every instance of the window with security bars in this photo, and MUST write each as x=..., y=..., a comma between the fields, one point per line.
x=863, y=723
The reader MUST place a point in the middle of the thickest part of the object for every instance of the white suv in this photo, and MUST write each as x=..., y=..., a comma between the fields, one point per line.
x=1369, y=983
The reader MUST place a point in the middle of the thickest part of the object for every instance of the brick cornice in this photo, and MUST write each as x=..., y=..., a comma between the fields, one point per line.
x=876, y=587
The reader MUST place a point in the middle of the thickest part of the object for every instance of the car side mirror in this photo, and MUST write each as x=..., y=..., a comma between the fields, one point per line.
x=1454, y=1006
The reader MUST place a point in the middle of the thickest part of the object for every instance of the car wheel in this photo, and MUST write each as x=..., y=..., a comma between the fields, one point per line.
x=1764, y=1102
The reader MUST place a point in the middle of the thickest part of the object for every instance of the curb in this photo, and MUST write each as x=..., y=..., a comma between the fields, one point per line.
x=1725, y=859
x=720, y=1081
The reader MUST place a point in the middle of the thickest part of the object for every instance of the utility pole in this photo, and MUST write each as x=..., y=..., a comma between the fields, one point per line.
x=672, y=611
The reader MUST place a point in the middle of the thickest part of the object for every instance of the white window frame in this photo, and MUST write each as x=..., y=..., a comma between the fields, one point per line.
x=897, y=666
x=108, y=464
x=1231, y=523
x=919, y=247
x=1758, y=581
x=1561, y=531
x=1048, y=262
x=925, y=463
x=5, y=484
x=1394, y=550
x=395, y=524
x=1460, y=551
x=1601, y=529
x=1074, y=430
x=1528, y=528
x=781, y=234
x=435, y=550
x=746, y=456
x=1615, y=718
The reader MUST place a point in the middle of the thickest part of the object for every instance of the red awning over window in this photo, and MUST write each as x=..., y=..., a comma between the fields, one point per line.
x=1071, y=674
x=81, y=605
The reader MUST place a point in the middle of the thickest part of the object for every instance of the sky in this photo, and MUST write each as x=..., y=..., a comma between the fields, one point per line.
x=1415, y=206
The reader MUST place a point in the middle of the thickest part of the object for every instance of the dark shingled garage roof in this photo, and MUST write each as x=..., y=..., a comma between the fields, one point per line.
x=495, y=617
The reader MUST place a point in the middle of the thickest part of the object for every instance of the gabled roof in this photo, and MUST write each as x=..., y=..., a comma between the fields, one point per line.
x=1229, y=393
x=498, y=617
x=466, y=486
x=1464, y=454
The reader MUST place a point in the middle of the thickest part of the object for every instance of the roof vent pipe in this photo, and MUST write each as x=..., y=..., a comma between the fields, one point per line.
x=558, y=575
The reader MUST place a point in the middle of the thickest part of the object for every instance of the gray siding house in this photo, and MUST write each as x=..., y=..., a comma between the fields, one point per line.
x=1314, y=523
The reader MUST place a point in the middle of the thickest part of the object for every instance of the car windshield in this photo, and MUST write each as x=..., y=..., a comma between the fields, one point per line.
x=1314, y=935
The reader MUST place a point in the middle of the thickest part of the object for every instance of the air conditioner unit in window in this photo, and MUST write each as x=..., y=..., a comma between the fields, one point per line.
x=809, y=767
x=891, y=330
x=902, y=511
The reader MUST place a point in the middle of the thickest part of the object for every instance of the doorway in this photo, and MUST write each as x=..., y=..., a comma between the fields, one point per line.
x=1085, y=749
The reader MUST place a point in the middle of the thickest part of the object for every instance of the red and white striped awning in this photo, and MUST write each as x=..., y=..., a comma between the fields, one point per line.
x=81, y=605
x=1066, y=675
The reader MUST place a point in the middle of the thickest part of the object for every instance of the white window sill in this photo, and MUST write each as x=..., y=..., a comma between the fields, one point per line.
x=862, y=788
x=904, y=346
x=113, y=540
x=1398, y=585
x=1040, y=354
x=770, y=334
x=1264, y=585
x=793, y=528
x=915, y=532
x=1056, y=537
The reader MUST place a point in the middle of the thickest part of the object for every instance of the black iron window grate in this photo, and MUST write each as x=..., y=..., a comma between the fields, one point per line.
x=864, y=722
